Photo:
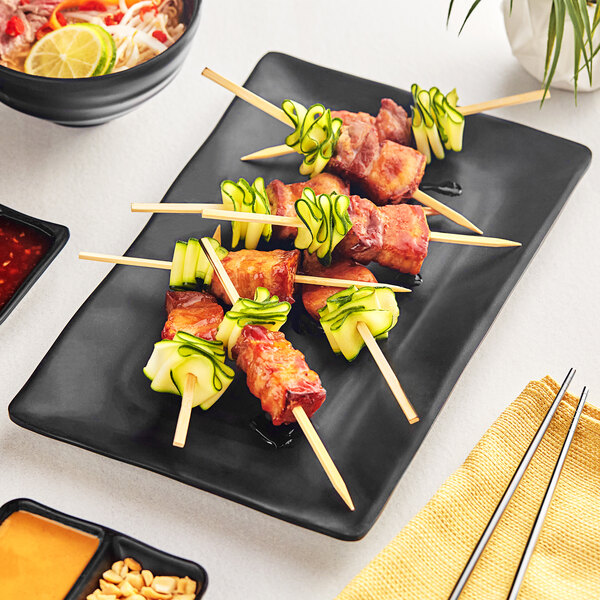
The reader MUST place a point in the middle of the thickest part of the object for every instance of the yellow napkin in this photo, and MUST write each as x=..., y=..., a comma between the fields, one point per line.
x=428, y=555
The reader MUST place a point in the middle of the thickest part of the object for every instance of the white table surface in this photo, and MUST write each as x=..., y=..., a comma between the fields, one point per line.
x=86, y=178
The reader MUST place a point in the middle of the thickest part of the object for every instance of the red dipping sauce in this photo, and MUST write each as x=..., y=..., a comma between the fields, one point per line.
x=21, y=248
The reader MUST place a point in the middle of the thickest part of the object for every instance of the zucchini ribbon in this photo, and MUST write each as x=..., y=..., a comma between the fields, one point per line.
x=315, y=135
x=265, y=310
x=326, y=223
x=436, y=122
x=243, y=197
x=376, y=307
x=172, y=360
x=190, y=263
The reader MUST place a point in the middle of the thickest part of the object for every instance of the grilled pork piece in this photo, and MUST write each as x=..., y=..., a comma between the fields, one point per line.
x=392, y=123
x=374, y=154
x=277, y=374
x=395, y=236
x=193, y=312
x=394, y=174
x=282, y=197
x=356, y=149
x=315, y=297
x=249, y=269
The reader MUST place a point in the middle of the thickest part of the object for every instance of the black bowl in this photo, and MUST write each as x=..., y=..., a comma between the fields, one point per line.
x=96, y=100
x=113, y=546
x=58, y=234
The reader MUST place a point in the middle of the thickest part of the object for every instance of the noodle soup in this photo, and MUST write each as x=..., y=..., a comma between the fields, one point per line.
x=83, y=38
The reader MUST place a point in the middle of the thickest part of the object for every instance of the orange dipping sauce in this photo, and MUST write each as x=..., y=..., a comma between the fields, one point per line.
x=40, y=558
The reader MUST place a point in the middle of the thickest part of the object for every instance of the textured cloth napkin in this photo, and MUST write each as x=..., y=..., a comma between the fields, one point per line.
x=426, y=558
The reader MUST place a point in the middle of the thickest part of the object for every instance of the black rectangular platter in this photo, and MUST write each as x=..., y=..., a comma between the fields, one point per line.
x=515, y=180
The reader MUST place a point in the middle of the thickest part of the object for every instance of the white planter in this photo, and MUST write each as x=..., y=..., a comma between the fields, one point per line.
x=527, y=30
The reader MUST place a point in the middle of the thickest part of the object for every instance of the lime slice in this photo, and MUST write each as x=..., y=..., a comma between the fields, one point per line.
x=69, y=52
x=109, y=45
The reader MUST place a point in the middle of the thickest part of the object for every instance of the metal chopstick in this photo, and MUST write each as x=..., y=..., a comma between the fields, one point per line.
x=539, y=520
x=512, y=486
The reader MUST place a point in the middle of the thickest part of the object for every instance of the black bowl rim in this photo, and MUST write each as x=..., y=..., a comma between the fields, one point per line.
x=59, y=235
x=103, y=533
x=165, y=55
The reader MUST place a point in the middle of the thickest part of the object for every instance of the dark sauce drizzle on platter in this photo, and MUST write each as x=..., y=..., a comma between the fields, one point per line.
x=278, y=436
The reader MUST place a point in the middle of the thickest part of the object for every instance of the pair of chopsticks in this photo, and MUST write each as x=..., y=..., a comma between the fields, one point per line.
x=512, y=486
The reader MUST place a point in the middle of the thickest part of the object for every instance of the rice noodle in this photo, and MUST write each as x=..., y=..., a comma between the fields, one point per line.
x=126, y=31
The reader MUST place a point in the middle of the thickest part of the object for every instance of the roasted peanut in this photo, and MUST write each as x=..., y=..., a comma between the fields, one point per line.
x=127, y=589
x=112, y=577
x=134, y=565
x=136, y=580
x=164, y=585
x=117, y=566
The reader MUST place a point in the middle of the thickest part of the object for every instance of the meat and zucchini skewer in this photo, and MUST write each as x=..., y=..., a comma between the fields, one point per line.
x=395, y=236
x=275, y=270
x=279, y=376
x=437, y=121
x=389, y=170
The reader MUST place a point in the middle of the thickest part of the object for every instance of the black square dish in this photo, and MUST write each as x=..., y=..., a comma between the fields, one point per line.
x=515, y=180
x=57, y=237
x=113, y=546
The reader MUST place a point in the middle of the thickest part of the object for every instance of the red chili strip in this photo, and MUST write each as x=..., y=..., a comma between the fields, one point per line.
x=146, y=9
x=93, y=5
x=14, y=27
x=161, y=36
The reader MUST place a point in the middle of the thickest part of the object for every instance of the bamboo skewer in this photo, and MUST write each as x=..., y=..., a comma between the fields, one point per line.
x=345, y=283
x=166, y=265
x=277, y=113
x=444, y=209
x=321, y=452
x=187, y=399
x=284, y=149
x=174, y=207
x=271, y=152
x=513, y=100
x=185, y=412
x=307, y=427
x=471, y=240
x=434, y=236
x=190, y=208
x=388, y=373
x=248, y=96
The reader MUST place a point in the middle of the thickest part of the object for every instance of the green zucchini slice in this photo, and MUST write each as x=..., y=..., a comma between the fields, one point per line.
x=326, y=223
x=265, y=310
x=315, y=135
x=437, y=124
x=243, y=197
x=172, y=360
x=375, y=307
